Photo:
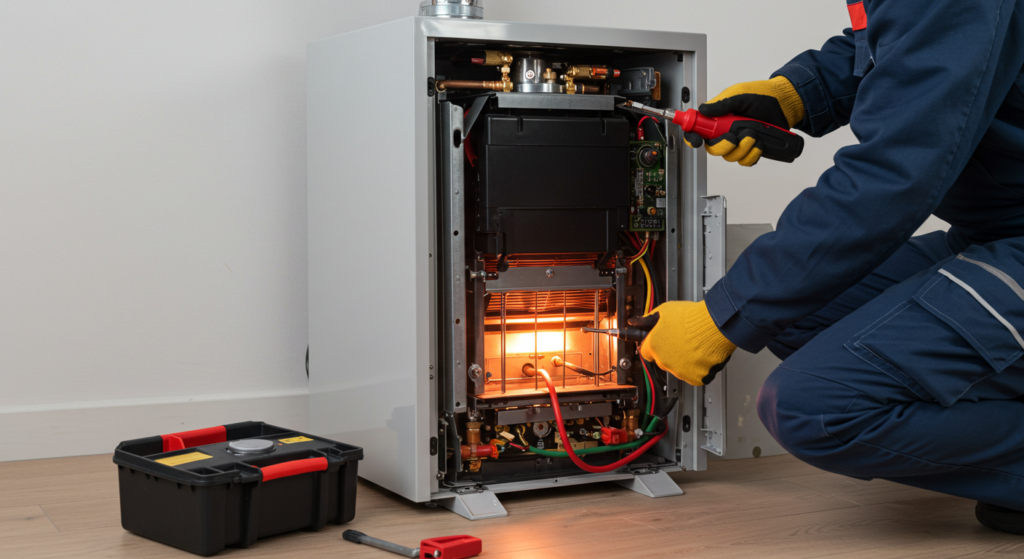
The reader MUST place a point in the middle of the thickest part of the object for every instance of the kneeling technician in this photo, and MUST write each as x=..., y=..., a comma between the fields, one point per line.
x=901, y=355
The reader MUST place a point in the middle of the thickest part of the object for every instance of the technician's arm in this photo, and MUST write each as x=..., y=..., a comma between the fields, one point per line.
x=942, y=69
x=813, y=93
x=826, y=84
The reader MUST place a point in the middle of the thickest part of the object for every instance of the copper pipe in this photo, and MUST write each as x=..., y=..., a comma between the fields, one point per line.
x=443, y=85
x=587, y=89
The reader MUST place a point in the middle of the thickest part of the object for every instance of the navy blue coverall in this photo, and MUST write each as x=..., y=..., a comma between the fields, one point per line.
x=901, y=355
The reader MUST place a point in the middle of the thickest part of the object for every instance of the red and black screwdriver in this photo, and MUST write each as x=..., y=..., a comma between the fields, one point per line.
x=776, y=143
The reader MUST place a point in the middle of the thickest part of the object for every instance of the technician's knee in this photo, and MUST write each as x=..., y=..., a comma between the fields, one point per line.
x=792, y=411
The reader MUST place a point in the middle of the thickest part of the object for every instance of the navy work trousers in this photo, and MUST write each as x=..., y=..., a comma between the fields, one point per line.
x=893, y=380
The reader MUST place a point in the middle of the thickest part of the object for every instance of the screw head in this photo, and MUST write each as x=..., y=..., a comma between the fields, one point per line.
x=625, y=363
x=549, y=272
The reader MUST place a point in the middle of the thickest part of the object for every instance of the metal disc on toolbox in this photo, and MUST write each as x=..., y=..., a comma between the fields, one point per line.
x=251, y=446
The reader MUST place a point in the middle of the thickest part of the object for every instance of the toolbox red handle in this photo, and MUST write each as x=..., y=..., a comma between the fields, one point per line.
x=294, y=468
x=198, y=437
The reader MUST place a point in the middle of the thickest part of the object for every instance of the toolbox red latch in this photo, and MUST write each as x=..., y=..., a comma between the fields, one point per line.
x=198, y=437
x=451, y=547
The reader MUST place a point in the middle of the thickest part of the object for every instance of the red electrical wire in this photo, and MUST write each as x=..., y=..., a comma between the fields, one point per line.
x=640, y=254
x=632, y=242
x=470, y=153
x=572, y=453
x=640, y=126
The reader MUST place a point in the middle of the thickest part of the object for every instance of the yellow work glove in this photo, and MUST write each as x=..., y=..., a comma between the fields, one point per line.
x=774, y=101
x=686, y=342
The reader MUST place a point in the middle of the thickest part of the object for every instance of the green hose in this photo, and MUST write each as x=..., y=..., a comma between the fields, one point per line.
x=599, y=449
x=647, y=385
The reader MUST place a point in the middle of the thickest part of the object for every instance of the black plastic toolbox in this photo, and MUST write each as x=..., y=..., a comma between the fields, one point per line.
x=230, y=485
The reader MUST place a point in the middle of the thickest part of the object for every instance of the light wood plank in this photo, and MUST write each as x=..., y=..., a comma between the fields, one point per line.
x=84, y=515
x=767, y=507
x=860, y=491
x=24, y=521
x=25, y=469
x=58, y=489
x=750, y=469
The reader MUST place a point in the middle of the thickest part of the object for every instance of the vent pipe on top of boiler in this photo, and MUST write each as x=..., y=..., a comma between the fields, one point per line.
x=459, y=9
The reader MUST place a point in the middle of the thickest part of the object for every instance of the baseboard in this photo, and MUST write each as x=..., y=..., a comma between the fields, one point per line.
x=31, y=432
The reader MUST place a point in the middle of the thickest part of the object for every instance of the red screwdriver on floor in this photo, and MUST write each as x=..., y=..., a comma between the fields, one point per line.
x=775, y=143
x=446, y=547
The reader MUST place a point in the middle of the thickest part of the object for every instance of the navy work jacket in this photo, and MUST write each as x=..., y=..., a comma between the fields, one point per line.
x=932, y=89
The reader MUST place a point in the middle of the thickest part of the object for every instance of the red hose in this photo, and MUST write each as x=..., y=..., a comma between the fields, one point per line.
x=572, y=453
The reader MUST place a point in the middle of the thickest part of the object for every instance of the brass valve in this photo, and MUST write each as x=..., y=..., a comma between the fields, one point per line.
x=586, y=72
x=497, y=58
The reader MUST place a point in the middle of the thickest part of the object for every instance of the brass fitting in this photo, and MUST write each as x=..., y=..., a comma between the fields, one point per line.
x=583, y=72
x=506, y=81
x=631, y=422
x=586, y=72
x=473, y=432
x=497, y=58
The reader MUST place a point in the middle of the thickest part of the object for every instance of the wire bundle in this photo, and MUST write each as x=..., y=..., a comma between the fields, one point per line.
x=643, y=256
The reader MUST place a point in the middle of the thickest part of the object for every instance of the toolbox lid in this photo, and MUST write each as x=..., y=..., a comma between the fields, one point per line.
x=247, y=452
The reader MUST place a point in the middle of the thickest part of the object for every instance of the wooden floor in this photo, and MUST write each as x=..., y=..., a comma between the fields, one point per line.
x=764, y=507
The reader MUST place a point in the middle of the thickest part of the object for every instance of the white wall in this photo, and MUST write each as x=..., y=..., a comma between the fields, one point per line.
x=152, y=196
x=152, y=215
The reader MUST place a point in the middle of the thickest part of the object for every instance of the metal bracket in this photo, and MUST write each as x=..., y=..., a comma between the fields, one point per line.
x=655, y=484
x=714, y=220
x=555, y=278
x=557, y=101
x=454, y=260
x=474, y=112
x=474, y=505
x=635, y=81
x=468, y=489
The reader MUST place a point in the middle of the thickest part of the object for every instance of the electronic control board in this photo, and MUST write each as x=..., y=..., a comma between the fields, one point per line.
x=648, y=201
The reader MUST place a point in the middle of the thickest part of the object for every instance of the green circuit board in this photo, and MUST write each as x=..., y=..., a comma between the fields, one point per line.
x=647, y=181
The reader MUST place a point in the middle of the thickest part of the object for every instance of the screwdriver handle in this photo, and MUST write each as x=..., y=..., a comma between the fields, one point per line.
x=635, y=335
x=777, y=143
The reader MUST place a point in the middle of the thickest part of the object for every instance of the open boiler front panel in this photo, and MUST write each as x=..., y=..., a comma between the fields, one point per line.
x=544, y=210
